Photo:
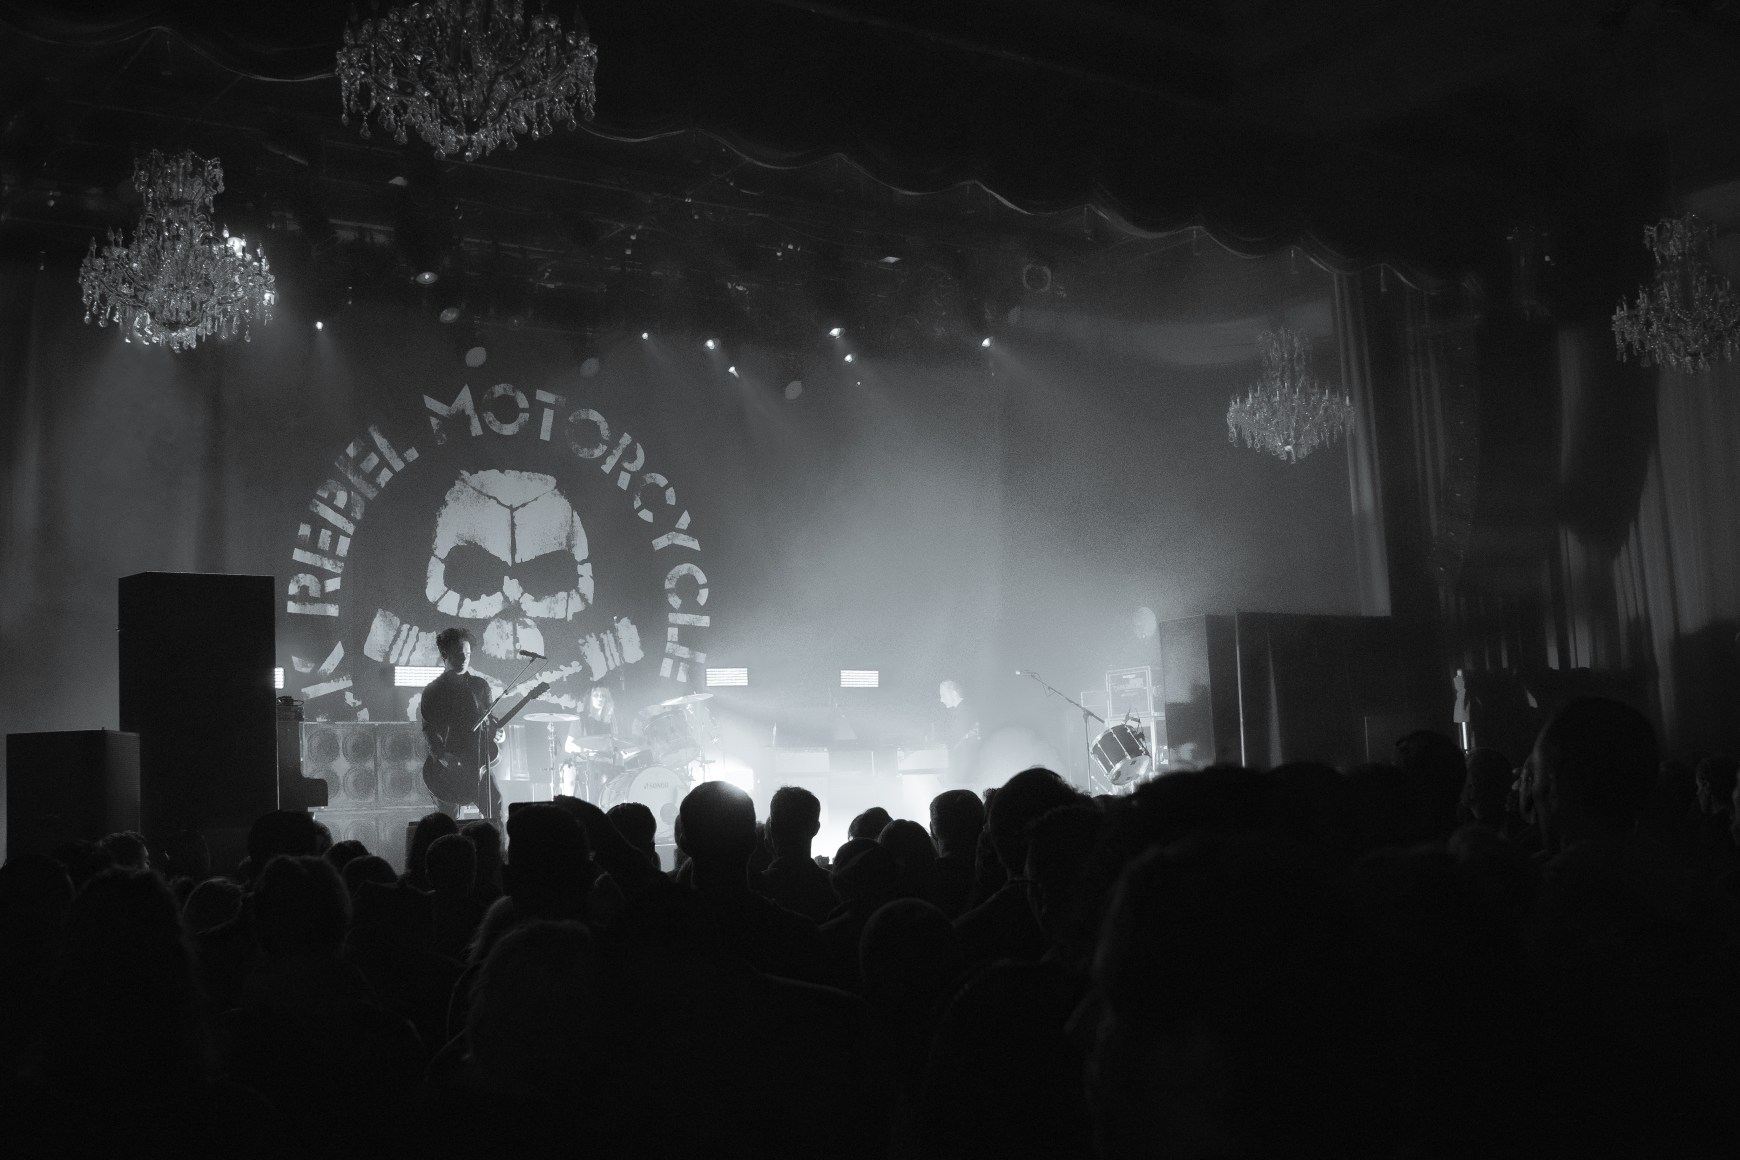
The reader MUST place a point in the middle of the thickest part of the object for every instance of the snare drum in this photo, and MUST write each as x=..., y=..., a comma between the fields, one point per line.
x=1121, y=752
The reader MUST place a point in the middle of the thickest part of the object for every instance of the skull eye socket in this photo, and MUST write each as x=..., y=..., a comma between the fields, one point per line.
x=473, y=572
x=547, y=575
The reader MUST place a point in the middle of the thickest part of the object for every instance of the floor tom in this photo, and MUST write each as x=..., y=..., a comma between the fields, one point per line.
x=1121, y=753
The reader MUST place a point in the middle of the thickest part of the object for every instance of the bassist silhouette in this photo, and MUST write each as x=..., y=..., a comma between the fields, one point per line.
x=460, y=753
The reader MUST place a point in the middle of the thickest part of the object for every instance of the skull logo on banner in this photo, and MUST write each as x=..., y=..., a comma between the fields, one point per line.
x=510, y=549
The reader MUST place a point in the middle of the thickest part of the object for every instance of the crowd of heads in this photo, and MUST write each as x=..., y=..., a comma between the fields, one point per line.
x=1445, y=955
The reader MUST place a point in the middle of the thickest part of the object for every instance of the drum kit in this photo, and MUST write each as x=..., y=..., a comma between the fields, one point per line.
x=607, y=771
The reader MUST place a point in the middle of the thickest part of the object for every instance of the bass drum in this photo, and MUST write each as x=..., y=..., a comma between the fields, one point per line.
x=658, y=789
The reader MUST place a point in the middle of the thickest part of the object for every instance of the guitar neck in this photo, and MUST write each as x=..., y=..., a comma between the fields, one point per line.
x=537, y=690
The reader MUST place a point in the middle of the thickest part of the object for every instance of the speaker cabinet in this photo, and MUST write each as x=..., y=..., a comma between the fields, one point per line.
x=61, y=786
x=367, y=765
x=381, y=831
x=1199, y=682
x=196, y=655
x=342, y=754
x=1262, y=688
x=400, y=749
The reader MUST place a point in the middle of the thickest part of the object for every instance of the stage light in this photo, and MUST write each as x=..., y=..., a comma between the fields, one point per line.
x=427, y=278
x=644, y=336
x=860, y=679
x=319, y=325
x=837, y=332
x=722, y=678
x=851, y=358
x=450, y=314
x=985, y=343
x=794, y=388
x=710, y=344
x=278, y=679
x=732, y=371
x=414, y=676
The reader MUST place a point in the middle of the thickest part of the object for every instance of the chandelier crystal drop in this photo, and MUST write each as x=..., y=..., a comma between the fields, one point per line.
x=466, y=75
x=1287, y=413
x=179, y=280
x=1690, y=314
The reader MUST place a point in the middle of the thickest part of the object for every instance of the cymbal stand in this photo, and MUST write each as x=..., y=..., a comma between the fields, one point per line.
x=1088, y=717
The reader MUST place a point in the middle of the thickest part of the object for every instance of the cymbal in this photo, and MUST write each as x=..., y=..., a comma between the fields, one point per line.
x=691, y=699
x=549, y=718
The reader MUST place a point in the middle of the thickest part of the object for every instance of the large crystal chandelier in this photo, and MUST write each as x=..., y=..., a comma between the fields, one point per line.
x=1690, y=313
x=1287, y=413
x=467, y=75
x=178, y=281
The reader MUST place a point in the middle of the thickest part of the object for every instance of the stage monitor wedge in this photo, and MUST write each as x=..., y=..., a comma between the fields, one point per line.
x=196, y=654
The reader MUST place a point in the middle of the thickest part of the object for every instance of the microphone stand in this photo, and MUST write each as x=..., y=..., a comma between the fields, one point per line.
x=1088, y=716
x=488, y=783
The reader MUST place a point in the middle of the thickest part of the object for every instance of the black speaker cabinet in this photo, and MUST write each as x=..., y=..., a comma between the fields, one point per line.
x=1261, y=688
x=196, y=686
x=1200, y=681
x=61, y=786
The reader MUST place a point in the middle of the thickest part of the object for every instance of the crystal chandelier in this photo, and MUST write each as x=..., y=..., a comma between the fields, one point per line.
x=178, y=281
x=1690, y=313
x=467, y=75
x=1287, y=413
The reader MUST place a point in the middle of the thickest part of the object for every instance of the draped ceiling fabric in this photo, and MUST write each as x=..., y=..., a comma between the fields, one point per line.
x=1160, y=119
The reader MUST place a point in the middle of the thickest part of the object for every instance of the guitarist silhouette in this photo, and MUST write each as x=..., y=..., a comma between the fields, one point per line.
x=456, y=770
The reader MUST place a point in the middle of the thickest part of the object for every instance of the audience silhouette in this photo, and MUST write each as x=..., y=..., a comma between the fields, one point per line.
x=1443, y=957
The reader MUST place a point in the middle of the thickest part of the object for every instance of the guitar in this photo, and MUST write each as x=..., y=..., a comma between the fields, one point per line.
x=452, y=776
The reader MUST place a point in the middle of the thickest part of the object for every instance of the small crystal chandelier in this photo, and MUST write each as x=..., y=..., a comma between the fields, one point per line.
x=1287, y=413
x=177, y=282
x=467, y=75
x=1690, y=313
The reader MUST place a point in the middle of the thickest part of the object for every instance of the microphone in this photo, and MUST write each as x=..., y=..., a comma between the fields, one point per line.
x=532, y=656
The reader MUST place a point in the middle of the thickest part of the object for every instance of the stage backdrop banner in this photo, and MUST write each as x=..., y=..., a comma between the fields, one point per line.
x=529, y=516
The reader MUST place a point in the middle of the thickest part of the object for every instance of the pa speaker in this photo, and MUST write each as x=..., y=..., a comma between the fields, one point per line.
x=196, y=657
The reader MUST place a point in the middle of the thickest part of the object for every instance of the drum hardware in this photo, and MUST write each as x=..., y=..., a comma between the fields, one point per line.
x=1088, y=716
x=591, y=744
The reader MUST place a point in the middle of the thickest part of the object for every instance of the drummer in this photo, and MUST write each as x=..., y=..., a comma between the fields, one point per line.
x=594, y=746
x=598, y=719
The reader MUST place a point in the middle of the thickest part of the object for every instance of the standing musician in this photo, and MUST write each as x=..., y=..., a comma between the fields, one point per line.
x=957, y=726
x=456, y=771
